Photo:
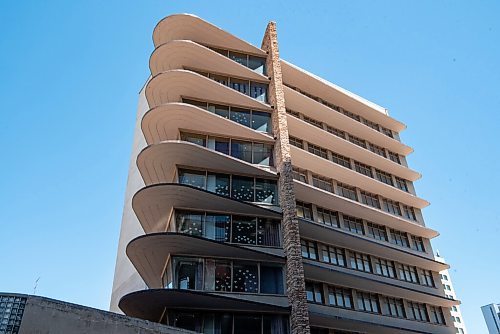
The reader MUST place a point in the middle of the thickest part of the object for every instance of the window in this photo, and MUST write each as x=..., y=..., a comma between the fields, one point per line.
x=296, y=142
x=262, y=154
x=341, y=160
x=271, y=279
x=333, y=255
x=394, y=157
x=314, y=292
x=313, y=122
x=242, y=188
x=444, y=277
x=407, y=273
x=328, y=217
x=240, y=85
x=188, y=273
x=418, y=243
x=447, y=287
x=363, y=169
x=245, y=277
x=316, y=150
x=368, y=302
x=218, y=275
x=371, y=124
x=266, y=191
x=377, y=232
x=384, y=177
x=220, y=79
x=353, y=224
x=360, y=262
x=193, y=178
x=194, y=138
x=244, y=230
x=395, y=307
x=246, y=324
x=257, y=64
x=268, y=232
x=219, y=144
x=189, y=223
x=218, y=183
x=309, y=249
x=239, y=58
x=241, y=116
x=217, y=227
x=347, y=191
x=392, y=207
x=199, y=104
x=258, y=91
x=385, y=268
x=299, y=174
x=340, y=297
x=293, y=113
x=418, y=311
x=356, y=140
x=336, y=132
x=401, y=184
x=220, y=110
x=409, y=212
x=304, y=210
x=377, y=150
x=387, y=132
x=322, y=183
x=351, y=115
x=370, y=199
x=427, y=279
x=261, y=121
x=399, y=238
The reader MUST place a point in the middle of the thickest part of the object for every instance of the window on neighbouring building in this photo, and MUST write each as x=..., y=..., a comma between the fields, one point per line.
x=368, y=302
x=340, y=297
x=309, y=249
x=333, y=255
x=322, y=183
x=304, y=210
x=370, y=199
x=385, y=268
x=407, y=273
x=314, y=292
x=376, y=231
x=384, y=177
x=341, y=160
x=418, y=311
x=316, y=150
x=347, y=191
x=360, y=262
x=328, y=217
x=353, y=224
x=395, y=307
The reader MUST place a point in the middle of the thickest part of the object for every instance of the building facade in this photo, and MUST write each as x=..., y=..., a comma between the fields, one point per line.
x=491, y=314
x=264, y=199
x=456, y=314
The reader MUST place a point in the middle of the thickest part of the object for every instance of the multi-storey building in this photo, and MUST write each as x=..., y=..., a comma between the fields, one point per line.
x=264, y=199
x=491, y=314
x=456, y=314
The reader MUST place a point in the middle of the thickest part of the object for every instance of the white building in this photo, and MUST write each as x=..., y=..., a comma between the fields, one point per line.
x=491, y=315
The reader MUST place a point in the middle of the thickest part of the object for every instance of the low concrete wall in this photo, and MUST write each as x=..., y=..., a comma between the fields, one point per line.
x=44, y=315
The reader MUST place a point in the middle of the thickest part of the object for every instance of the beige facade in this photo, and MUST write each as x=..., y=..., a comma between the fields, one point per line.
x=262, y=195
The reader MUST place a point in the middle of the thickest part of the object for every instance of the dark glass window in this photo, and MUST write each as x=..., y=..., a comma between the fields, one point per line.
x=418, y=243
x=266, y=191
x=193, y=178
x=257, y=64
x=314, y=292
x=340, y=297
x=244, y=230
x=384, y=177
x=218, y=183
x=194, y=138
x=245, y=277
x=385, y=268
x=217, y=227
x=341, y=160
x=220, y=79
x=363, y=169
x=261, y=121
x=275, y=324
x=395, y=307
x=407, y=273
x=271, y=279
x=262, y=154
x=218, y=275
x=240, y=85
x=437, y=315
x=199, y=104
x=418, y=311
x=241, y=150
x=247, y=324
x=268, y=232
x=347, y=191
x=368, y=302
x=189, y=274
x=189, y=223
x=399, y=238
x=304, y=210
x=219, y=144
x=370, y=199
x=219, y=110
x=258, y=91
x=242, y=188
x=353, y=224
x=241, y=116
x=377, y=232
x=239, y=58
x=328, y=217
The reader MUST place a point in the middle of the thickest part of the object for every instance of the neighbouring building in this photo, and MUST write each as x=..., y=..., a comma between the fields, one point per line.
x=491, y=314
x=456, y=314
x=264, y=199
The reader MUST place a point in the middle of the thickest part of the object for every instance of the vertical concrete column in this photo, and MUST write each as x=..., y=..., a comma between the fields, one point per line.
x=296, y=292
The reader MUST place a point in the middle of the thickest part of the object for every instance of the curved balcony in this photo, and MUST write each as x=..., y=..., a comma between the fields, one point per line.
x=171, y=86
x=150, y=304
x=313, y=135
x=325, y=199
x=149, y=253
x=180, y=54
x=154, y=204
x=311, y=108
x=318, y=165
x=158, y=163
x=330, y=92
x=350, y=278
x=167, y=120
x=347, y=319
x=191, y=27
x=340, y=238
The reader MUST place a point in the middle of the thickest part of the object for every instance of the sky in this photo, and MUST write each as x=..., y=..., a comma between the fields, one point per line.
x=70, y=72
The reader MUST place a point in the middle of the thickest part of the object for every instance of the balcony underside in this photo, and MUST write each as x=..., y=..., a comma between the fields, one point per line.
x=149, y=253
x=166, y=121
x=171, y=86
x=150, y=304
x=154, y=204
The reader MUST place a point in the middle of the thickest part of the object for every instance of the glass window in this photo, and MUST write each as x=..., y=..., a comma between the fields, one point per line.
x=244, y=230
x=299, y=174
x=385, y=268
x=188, y=273
x=186, y=320
x=370, y=199
x=339, y=297
x=418, y=243
x=387, y=132
x=241, y=150
x=257, y=64
x=399, y=238
x=409, y=213
x=189, y=223
x=322, y=183
x=394, y=157
x=392, y=207
x=219, y=144
x=268, y=232
x=371, y=124
x=193, y=178
x=368, y=302
x=401, y=184
x=242, y=188
x=377, y=150
x=239, y=58
x=314, y=292
x=356, y=140
x=194, y=138
x=363, y=169
x=261, y=121
x=304, y=210
x=220, y=79
x=217, y=275
x=407, y=273
x=240, y=85
x=241, y=116
x=266, y=191
x=275, y=324
x=217, y=227
x=336, y=132
x=360, y=262
x=218, y=183
x=347, y=191
x=247, y=324
x=309, y=249
x=377, y=232
x=218, y=109
x=316, y=150
x=262, y=154
x=199, y=104
x=333, y=255
x=395, y=307
x=328, y=217
x=437, y=315
x=341, y=160
x=258, y=91
x=418, y=311
x=353, y=224
x=384, y=177
x=427, y=279
x=271, y=279
x=296, y=142
x=245, y=277
x=314, y=122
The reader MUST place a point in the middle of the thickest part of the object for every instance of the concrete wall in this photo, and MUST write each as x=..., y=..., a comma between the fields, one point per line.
x=126, y=278
x=43, y=316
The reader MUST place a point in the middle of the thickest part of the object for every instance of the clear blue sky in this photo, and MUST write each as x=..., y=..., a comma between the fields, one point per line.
x=71, y=70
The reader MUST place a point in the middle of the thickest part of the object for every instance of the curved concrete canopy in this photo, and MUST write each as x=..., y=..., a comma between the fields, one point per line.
x=150, y=304
x=311, y=134
x=305, y=160
x=172, y=85
x=309, y=194
x=180, y=54
x=191, y=27
x=167, y=120
x=157, y=163
x=312, y=108
x=337, y=237
x=149, y=253
x=350, y=278
x=314, y=85
x=154, y=204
